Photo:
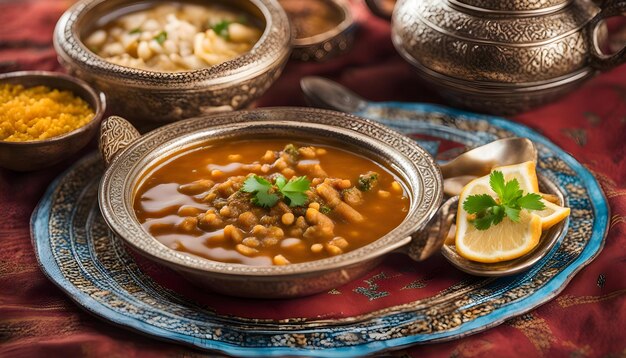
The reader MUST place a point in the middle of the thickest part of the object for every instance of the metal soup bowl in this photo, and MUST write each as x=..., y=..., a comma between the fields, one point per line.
x=130, y=156
x=157, y=96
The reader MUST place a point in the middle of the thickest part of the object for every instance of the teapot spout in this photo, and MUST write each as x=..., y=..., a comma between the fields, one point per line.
x=116, y=133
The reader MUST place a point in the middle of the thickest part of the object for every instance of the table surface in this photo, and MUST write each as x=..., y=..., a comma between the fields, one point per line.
x=587, y=319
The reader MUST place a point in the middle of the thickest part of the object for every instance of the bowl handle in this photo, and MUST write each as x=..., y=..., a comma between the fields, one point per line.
x=429, y=240
x=599, y=60
x=116, y=133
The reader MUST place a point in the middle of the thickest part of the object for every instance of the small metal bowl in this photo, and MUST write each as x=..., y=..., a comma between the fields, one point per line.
x=153, y=96
x=129, y=156
x=37, y=154
x=329, y=44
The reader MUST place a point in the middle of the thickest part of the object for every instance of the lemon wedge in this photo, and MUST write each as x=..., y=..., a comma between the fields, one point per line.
x=552, y=214
x=508, y=239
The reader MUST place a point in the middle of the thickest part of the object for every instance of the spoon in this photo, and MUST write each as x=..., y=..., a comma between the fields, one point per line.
x=324, y=93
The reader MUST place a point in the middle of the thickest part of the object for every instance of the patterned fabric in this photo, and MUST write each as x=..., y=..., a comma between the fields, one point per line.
x=586, y=319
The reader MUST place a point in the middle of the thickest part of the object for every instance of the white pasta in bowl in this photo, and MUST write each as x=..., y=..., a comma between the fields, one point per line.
x=174, y=38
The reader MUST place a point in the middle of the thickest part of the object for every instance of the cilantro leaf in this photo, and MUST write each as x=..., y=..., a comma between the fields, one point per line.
x=511, y=191
x=483, y=223
x=531, y=201
x=511, y=200
x=512, y=213
x=256, y=183
x=476, y=203
x=280, y=182
x=498, y=214
x=161, y=37
x=299, y=184
x=221, y=29
x=496, y=181
x=265, y=194
x=265, y=199
x=295, y=190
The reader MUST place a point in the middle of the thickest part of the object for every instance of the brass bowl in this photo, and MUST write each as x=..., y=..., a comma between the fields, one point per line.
x=331, y=43
x=38, y=154
x=152, y=96
x=419, y=235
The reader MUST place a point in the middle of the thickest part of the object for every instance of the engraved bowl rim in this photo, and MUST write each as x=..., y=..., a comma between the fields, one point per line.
x=118, y=182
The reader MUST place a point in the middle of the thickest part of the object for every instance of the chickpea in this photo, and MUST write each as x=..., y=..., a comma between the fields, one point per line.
x=333, y=250
x=344, y=184
x=288, y=219
x=270, y=241
x=259, y=230
x=395, y=186
x=384, y=194
x=288, y=173
x=268, y=156
x=340, y=242
x=247, y=219
x=232, y=232
x=280, y=260
x=317, y=248
x=314, y=205
x=225, y=211
x=189, y=224
x=245, y=250
x=251, y=242
x=276, y=232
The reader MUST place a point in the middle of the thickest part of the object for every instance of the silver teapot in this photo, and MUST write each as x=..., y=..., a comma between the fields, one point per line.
x=503, y=56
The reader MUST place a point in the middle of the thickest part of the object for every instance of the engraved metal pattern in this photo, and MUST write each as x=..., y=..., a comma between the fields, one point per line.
x=513, y=5
x=115, y=135
x=168, y=96
x=495, y=50
x=78, y=252
x=417, y=167
x=327, y=49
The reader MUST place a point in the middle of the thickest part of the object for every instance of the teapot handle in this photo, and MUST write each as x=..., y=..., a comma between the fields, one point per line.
x=381, y=8
x=599, y=60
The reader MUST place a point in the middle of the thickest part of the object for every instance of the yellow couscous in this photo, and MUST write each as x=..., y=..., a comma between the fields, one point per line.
x=40, y=112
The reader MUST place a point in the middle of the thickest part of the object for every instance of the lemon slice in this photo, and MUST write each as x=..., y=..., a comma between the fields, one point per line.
x=552, y=214
x=508, y=239
x=525, y=173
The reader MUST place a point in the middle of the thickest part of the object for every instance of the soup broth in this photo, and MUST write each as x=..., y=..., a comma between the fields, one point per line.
x=268, y=202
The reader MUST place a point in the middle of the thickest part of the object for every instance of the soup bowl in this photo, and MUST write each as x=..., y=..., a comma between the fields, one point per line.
x=130, y=156
x=157, y=96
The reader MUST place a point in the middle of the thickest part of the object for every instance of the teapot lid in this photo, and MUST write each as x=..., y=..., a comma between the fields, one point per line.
x=511, y=7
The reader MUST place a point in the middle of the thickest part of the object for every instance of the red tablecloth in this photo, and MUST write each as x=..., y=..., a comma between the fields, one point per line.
x=587, y=319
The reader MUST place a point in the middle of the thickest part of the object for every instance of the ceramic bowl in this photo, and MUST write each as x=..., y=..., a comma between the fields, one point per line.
x=38, y=154
x=418, y=235
x=152, y=96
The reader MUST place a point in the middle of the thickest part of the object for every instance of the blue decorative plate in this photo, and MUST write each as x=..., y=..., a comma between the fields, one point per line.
x=77, y=252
